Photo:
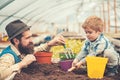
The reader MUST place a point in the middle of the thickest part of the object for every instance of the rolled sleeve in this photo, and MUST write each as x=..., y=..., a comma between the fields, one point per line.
x=42, y=47
x=83, y=53
x=7, y=66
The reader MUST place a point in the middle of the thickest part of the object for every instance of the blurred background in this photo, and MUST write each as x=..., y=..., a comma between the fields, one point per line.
x=58, y=15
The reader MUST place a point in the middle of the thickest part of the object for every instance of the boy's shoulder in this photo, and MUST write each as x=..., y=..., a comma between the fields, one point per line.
x=87, y=42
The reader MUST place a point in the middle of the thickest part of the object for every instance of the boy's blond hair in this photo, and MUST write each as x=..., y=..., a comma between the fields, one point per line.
x=93, y=22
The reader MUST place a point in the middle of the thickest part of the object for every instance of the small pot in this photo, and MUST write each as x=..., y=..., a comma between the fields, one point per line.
x=65, y=64
x=43, y=57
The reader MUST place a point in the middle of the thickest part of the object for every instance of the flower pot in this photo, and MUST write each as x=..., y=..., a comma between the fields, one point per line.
x=43, y=57
x=96, y=66
x=65, y=64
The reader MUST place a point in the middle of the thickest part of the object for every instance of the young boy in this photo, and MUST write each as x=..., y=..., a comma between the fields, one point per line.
x=96, y=44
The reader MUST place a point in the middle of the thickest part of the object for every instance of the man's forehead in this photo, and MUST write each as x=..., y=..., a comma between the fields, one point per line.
x=27, y=33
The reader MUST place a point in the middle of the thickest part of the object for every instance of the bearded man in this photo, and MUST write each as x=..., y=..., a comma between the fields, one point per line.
x=20, y=53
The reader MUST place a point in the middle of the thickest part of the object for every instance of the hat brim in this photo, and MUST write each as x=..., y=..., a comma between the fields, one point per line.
x=19, y=32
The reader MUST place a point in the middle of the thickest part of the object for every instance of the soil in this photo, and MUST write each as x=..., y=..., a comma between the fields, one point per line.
x=52, y=71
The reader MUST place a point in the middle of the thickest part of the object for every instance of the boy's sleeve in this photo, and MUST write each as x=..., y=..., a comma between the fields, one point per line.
x=100, y=48
x=82, y=54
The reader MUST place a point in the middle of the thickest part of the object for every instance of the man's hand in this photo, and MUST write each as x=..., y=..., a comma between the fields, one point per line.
x=28, y=59
x=58, y=40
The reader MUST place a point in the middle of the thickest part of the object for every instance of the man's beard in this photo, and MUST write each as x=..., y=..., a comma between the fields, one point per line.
x=29, y=49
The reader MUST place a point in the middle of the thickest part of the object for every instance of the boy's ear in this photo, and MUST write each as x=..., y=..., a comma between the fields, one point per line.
x=98, y=32
x=101, y=29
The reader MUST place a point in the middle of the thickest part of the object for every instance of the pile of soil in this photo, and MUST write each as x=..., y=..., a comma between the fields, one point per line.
x=37, y=71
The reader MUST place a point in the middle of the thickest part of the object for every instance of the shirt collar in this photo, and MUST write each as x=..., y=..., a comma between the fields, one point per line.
x=99, y=37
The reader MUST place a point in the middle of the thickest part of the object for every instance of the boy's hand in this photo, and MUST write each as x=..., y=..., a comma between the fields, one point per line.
x=73, y=65
x=74, y=62
x=78, y=65
x=71, y=69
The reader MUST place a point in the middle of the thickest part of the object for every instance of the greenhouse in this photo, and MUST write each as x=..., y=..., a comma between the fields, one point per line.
x=63, y=29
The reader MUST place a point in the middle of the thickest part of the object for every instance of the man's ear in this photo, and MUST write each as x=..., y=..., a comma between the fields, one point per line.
x=16, y=41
